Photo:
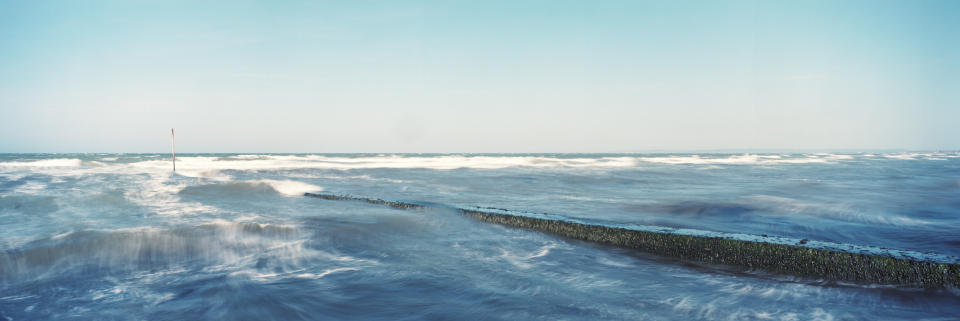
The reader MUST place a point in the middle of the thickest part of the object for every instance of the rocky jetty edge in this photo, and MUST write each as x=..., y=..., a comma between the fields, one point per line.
x=804, y=258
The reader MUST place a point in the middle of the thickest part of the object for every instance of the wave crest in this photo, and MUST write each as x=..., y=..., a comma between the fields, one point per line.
x=252, y=188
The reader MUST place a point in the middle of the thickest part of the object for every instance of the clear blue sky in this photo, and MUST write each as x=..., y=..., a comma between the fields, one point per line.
x=478, y=76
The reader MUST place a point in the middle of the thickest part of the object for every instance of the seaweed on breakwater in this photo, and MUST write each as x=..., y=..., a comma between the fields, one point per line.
x=799, y=260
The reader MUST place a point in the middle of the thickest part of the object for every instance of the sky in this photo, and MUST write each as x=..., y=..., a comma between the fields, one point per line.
x=478, y=76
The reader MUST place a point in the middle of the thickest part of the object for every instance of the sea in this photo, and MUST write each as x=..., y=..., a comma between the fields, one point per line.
x=231, y=236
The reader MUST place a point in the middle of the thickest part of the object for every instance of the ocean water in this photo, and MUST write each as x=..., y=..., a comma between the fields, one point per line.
x=228, y=236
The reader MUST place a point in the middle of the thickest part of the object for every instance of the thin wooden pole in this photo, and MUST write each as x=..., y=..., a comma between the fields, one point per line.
x=173, y=149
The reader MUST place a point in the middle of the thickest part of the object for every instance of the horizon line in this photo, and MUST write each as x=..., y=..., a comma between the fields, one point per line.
x=650, y=151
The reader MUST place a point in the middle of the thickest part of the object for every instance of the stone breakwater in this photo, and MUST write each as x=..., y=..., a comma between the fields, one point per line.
x=799, y=260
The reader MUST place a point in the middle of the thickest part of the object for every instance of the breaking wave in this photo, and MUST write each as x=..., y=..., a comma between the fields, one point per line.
x=746, y=159
x=57, y=162
x=217, y=242
x=448, y=162
x=251, y=188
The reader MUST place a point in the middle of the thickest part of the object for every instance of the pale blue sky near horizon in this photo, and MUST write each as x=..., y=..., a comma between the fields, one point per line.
x=478, y=76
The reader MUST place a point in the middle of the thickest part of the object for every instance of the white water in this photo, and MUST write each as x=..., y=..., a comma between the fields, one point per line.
x=227, y=236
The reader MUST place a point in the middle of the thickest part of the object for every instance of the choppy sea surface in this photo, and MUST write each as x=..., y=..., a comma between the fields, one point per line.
x=229, y=236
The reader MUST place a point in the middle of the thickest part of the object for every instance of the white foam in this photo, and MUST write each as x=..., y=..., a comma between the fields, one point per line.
x=211, y=174
x=284, y=187
x=922, y=156
x=273, y=162
x=325, y=273
x=247, y=156
x=253, y=275
x=523, y=261
x=831, y=156
x=212, y=167
x=56, y=162
x=291, y=188
x=190, y=166
x=681, y=303
x=577, y=198
x=902, y=156
x=61, y=235
x=95, y=163
x=156, y=193
x=819, y=314
x=746, y=159
x=17, y=297
x=30, y=188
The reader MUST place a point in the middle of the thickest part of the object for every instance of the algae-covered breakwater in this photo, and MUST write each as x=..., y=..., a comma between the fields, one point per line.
x=868, y=268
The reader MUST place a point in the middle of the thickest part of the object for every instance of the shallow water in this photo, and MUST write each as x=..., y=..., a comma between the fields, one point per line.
x=118, y=236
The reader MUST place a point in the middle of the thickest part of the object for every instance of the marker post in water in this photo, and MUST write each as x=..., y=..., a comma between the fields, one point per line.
x=173, y=149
